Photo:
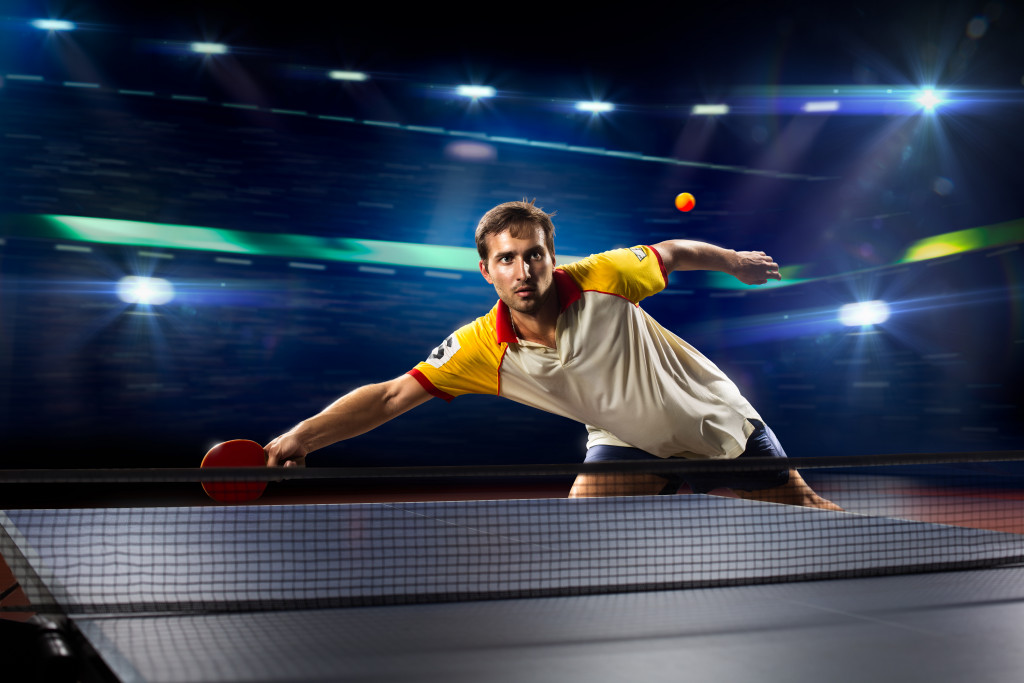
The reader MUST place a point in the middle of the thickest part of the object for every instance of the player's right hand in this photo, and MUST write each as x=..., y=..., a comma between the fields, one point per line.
x=286, y=451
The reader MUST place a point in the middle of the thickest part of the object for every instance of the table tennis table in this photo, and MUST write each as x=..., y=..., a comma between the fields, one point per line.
x=657, y=588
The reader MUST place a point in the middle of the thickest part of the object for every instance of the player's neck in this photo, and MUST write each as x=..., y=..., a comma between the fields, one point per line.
x=537, y=327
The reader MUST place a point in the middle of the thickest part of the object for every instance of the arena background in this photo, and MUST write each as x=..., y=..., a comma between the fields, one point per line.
x=263, y=192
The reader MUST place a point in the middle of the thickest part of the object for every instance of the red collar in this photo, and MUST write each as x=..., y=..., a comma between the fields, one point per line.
x=568, y=293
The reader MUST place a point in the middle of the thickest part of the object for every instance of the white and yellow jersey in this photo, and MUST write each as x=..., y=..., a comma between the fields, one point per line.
x=613, y=368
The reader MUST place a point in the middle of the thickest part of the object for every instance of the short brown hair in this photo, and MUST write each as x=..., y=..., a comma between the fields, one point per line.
x=517, y=218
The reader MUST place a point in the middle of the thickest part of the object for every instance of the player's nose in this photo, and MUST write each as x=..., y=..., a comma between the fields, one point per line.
x=523, y=271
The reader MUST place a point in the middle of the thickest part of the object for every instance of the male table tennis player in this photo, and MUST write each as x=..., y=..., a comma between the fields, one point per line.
x=573, y=341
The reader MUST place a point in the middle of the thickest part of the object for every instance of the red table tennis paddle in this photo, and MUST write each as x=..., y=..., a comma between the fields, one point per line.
x=236, y=453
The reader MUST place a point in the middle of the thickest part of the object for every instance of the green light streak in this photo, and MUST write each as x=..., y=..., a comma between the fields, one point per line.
x=1010, y=232
x=143, y=234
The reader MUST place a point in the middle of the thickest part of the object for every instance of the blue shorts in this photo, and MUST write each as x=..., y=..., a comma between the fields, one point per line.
x=762, y=443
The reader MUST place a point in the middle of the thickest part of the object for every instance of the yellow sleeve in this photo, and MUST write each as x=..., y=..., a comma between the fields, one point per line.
x=634, y=273
x=467, y=362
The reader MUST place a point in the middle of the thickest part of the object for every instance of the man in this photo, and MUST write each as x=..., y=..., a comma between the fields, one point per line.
x=574, y=341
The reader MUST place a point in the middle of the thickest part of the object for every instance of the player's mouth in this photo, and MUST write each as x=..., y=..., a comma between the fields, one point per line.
x=524, y=292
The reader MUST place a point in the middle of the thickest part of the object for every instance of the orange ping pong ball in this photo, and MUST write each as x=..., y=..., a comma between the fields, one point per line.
x=685, y=201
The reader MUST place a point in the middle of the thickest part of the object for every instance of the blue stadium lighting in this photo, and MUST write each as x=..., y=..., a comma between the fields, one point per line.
x=929, y=99
x=149, y=291
x=864, y=313
x=209, y=48
x=820, y=106
x=475, y=91
x=53, y=25
x=356, y=76
x=595, y=107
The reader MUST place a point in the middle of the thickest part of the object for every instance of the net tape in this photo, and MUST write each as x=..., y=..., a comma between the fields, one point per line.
x=663, y=466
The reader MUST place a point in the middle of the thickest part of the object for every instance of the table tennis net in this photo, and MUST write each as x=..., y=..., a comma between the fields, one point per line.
x=447, y=534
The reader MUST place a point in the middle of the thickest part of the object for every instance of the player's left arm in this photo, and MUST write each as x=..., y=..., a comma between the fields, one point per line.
x=749, y=267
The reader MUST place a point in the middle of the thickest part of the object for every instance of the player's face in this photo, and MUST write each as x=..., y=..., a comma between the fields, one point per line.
x=520, y=269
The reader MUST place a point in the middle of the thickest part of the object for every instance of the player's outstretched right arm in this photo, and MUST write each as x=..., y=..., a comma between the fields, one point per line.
x=749, y=267
x=353, y=414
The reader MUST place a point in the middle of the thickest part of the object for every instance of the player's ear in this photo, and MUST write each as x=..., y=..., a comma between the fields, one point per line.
x=483, y=271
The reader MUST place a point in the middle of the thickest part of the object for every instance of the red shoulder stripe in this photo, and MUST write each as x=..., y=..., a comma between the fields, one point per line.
x=428, y=385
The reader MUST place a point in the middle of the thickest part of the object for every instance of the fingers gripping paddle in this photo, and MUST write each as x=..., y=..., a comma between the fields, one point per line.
x=237, y=453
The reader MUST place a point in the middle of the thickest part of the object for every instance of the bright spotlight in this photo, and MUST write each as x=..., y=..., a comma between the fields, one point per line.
x=595, y=107
x=209, y=48
x=929, y=99
x=820, y=106
x=347, y=75
x=152, y=291
x=864, y=313
x=475, y=91
x=710, y=109
x=53, y=25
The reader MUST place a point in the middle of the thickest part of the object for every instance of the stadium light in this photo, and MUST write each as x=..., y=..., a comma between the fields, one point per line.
x=710, y=109
x=820, y=106
x=209, y=48
x=864, y=313
x=152, y=291
x=53, y=25
x=475, y=91
x=929, y=99
x=595, y=107
x=348, y=76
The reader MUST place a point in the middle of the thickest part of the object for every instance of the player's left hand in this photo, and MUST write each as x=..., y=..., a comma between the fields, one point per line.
x=755, y=268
